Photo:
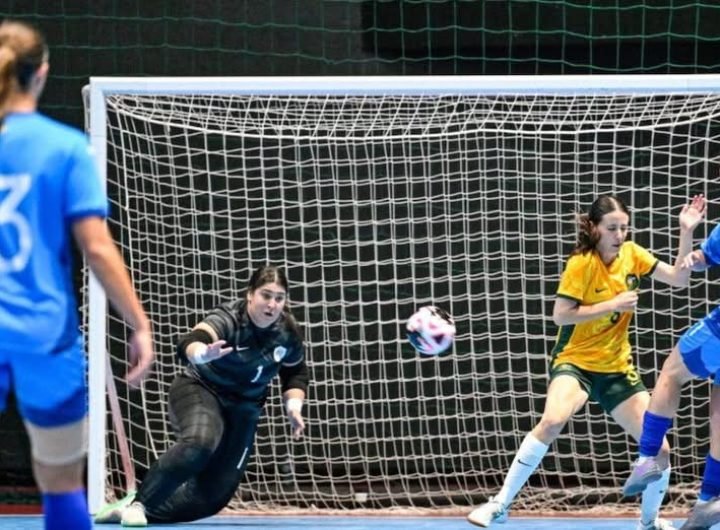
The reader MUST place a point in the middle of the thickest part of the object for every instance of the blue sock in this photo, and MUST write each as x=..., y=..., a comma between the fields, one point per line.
x=654, y=429
x=710, y=486
x=66, y=510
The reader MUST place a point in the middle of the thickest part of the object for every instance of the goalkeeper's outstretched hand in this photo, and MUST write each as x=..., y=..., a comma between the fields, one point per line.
x=209, y=352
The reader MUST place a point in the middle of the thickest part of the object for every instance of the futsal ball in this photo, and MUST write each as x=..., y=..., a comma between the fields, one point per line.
x=430, y=330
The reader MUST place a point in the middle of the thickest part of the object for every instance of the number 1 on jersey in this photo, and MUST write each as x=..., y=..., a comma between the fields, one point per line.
x=257, y=375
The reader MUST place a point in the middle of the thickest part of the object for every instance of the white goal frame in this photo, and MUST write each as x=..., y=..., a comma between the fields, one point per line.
x=102, y=87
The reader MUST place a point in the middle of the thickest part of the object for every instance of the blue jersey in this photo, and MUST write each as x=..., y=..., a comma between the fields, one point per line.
x=711, y=249
x=48, y=179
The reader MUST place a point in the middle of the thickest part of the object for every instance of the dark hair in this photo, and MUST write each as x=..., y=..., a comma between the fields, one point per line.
x=22, y=51
x=267, y=274
x=588, y=237
x=271, y=274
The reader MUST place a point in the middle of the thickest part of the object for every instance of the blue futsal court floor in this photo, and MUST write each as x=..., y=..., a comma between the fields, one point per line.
x=358, y=523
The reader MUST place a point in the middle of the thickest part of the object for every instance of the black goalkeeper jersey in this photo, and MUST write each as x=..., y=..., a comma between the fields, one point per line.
x=247, y=371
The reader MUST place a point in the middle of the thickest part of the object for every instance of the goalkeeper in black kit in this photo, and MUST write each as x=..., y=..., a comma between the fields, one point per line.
x=215, y=404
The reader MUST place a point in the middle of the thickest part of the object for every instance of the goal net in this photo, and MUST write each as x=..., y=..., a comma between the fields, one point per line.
x=379, y=196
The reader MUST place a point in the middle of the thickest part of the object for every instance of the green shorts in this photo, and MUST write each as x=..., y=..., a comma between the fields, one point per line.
x=609, y=390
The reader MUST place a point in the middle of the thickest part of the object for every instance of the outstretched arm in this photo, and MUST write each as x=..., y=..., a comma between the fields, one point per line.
x=690, y=217
x=202, y=345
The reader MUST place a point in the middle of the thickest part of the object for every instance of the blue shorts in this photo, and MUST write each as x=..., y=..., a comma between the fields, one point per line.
x=50, y=387
x=700, y=350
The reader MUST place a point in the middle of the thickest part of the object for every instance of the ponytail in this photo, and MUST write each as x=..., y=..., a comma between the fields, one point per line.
x=8, y=75
x=22, y=52
x=587, y=235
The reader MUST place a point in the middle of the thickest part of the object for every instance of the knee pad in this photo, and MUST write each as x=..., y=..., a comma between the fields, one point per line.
x=57, y=446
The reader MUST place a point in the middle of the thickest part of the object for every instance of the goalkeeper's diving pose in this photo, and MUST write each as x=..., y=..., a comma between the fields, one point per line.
x=696, y=355
x=597, y=295
x=232, y=357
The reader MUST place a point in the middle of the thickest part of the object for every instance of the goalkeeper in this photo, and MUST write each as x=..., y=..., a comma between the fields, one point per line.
x=215, y=404
x=592, y=358
x=697, y=354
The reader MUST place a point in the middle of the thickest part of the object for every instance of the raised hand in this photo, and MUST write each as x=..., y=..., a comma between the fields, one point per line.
x=692, y=213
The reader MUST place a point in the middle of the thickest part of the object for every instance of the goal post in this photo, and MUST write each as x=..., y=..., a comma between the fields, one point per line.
x=379, y=195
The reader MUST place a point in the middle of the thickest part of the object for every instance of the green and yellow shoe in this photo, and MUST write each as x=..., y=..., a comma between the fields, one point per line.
x=112, y=513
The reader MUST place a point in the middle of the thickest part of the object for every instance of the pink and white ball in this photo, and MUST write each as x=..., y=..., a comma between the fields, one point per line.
x=430, y=330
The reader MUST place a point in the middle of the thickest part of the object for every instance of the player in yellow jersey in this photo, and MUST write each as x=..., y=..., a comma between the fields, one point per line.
x=597, y=295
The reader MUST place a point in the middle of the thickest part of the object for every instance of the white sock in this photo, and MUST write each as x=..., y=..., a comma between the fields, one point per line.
x=653, y=496
x=526, y=461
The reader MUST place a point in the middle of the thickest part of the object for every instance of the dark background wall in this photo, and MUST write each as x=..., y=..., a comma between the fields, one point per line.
x=312, y=37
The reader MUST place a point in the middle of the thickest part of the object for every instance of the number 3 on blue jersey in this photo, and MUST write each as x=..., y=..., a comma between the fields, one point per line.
x=17, y=187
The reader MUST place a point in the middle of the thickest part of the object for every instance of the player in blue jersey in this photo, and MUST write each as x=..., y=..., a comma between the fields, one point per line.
x=697, y=354
x=50, y=194
x=232, y=356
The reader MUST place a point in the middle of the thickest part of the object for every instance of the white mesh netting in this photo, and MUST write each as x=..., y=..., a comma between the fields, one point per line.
x=376, y=206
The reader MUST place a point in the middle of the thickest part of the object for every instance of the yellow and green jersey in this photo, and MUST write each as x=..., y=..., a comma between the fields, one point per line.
x=600, y=345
